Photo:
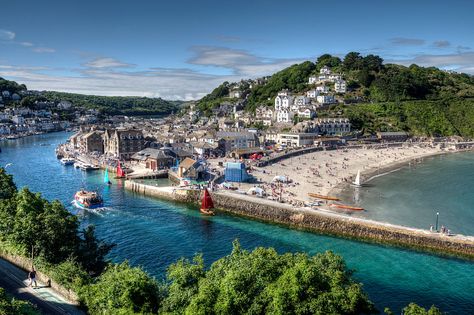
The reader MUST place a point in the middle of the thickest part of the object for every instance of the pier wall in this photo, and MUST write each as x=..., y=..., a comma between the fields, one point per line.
x=318, y=221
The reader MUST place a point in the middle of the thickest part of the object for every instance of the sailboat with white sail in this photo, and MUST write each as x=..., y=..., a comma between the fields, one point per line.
x=357, y=182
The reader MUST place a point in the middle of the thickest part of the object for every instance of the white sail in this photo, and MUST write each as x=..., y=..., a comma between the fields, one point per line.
x=357, y=179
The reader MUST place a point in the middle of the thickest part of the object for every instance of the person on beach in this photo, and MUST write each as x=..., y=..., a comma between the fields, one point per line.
x=32, y=277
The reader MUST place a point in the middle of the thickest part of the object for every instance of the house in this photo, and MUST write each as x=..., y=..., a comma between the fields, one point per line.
x=65, y=105
x=229, y=141
x=313, y=79
x=305, y=112
x=322, y=89
x=325, y=70
x=123, y=143
x=340, y=86
x=283, y=100
x=16, y=97
x=153, y=159
x=205, y=148
x=400, y=136
x=284, y=116
x=301, y=100
x=325, y=99
x=93, y=142
x=296, y=139
x=235, y=93
x=333, y=126
x=312, y=93
x=189, y=169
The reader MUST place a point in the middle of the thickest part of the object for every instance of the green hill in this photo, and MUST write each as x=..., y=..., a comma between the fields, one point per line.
x=110, y=105
x=382, y=97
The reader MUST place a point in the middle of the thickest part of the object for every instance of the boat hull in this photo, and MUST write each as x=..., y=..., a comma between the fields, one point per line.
x=80, y=205
x=206, y=211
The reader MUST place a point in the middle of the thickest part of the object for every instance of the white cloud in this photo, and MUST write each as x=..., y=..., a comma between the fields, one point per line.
x=26, y=44
x=104, y=63
x=407, y=41
x=6, y=35
x=461, y=61
x=44, y=50
x=105, y=76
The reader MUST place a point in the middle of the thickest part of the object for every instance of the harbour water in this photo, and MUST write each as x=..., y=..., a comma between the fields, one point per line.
x=154, y=233
x=414, y=193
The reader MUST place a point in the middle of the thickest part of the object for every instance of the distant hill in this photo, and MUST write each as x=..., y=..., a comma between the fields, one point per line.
x=110, y=105
x=389, y=97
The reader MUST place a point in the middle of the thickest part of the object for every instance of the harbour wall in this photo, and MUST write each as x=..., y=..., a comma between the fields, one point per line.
x=319, y=221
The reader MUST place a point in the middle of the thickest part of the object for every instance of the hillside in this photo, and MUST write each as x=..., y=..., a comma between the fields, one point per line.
x=379, y=97
x=110, y=105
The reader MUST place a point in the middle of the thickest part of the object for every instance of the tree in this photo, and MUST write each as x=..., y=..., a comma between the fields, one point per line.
x=414, y=309
x=262, y=281
x=373, y=63
x=92, y=252
x=122, y=289
x=328, y=60
x=353, y=61
x=7, y=186
x=9, y=306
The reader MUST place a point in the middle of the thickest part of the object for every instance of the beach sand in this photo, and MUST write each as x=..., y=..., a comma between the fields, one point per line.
x=320, y=172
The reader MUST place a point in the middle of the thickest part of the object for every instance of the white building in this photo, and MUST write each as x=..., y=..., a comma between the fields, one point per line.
x=18, y=120
x=312, y=93
x=313, y=79
x=340, y=86
x=296, y=139
x=325, y=99
x=322, y=89
x=64, y=105
x=284, y=116
x=302, y=100
x=307, y=113
x=283, y=100
x=325, y=70
x=333, y=126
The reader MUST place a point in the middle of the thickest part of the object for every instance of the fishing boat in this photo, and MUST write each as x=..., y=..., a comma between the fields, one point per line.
x=67, y=161
x=106, y=177
x=206, y=203
x=346, y=207
x=88, y=200
x=356, y=182
x=318, y=196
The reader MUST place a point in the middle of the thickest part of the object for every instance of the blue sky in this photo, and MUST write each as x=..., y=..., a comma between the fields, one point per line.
x=183, y=49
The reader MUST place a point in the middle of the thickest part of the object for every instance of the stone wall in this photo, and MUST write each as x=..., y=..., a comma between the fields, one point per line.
x=319, y=222
x=336, y=225
x=26, y=263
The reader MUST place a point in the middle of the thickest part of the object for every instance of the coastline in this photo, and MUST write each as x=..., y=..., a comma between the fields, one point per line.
x=319, y=221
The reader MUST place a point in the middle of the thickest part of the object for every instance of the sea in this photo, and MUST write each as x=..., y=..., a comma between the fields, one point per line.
x=153, y=233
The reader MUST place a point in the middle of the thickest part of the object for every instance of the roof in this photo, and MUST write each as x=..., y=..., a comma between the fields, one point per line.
x=187, y=163
x=150, y=153
x=392, y=133
x=204, y=145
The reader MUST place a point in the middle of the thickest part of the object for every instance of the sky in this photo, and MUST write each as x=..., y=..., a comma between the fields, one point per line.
x=183, y=49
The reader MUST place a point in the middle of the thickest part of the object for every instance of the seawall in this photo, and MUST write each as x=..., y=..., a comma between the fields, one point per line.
x=320, y=221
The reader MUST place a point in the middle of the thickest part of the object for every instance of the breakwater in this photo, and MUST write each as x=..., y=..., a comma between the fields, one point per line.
x=319, y=221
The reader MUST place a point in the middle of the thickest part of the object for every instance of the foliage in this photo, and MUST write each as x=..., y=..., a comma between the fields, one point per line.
x=294, y=78
x=32, y=223
x=262, y=281
x=11, y=306
x=116, y=105
x=122, y=289
x=328, y=61
x=414, y=309
x=11, y=86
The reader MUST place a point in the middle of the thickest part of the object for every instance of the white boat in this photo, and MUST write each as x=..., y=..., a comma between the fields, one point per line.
x=67, y=161
x=357, y=179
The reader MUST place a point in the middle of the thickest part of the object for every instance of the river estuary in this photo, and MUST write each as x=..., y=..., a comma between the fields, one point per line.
x=154, y=233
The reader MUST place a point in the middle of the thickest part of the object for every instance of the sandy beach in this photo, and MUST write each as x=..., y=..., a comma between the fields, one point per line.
x=320, y=172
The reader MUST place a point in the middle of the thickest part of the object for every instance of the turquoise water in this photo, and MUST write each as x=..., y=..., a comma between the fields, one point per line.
x=154, y=233
x=414, y=194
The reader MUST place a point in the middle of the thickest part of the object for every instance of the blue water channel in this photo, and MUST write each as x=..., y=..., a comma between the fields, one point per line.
x=154, y=233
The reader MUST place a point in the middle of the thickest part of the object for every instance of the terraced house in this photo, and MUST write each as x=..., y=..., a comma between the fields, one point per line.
x=123, y=143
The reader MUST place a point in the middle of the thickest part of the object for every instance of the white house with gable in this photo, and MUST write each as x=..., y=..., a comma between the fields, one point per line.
x=340, y=86
x=325, y=99
x=312, y=93
x=325, y=70
x=283, y=100
x=284, y=116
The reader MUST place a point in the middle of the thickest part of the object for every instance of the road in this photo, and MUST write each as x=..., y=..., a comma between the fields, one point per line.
x=14, y=281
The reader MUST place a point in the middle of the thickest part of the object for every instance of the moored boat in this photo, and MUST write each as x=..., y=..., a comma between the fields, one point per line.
x=318, y=196
x=346, y=207
x=67, y=161
x=207, y=204
x=88, y=200
x=357, y=181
